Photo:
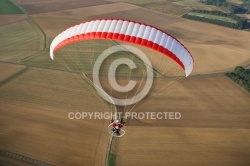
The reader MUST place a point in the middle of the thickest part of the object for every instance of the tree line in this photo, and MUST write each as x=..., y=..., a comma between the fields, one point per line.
x=241, y=76
x=244, y=7
x=240, y=22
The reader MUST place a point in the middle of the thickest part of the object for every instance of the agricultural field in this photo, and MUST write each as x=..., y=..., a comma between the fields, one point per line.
x=219, y=50
x=34, y=105
x=213, y=129
x=35, y=7
x=174, y=7
x=183, y=146
x=8, y=70
x=20, y=40
x=7, y=19
x=41, y=106
x=167, y=7
x=8, y=7
x=214, y=17
x=197, y=5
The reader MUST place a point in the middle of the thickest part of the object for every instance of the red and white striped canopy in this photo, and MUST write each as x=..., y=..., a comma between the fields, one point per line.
x=126, y=31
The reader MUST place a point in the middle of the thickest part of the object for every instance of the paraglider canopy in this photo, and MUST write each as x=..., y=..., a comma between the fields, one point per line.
x=126, y=31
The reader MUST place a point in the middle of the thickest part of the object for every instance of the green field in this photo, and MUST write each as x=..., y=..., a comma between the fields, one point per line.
x=214, y=17
x=8, y=7
x=20, y=40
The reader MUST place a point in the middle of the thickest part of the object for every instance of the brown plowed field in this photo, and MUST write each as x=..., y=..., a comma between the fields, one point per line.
x=214, y=128
x=34, y=119
x=183, y=146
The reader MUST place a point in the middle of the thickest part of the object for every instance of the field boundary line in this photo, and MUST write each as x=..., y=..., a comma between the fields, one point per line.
x=155, y=11
x=236, y=84
x=36, y=26
x=44, y=40
x=23, y=158
x=20, y=7
x=13, y=76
